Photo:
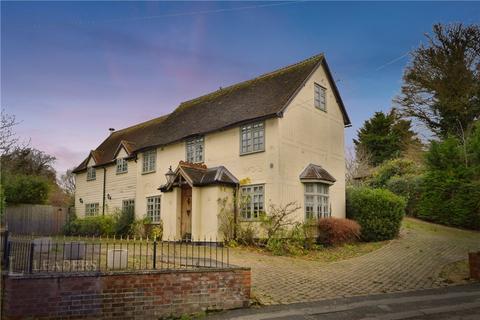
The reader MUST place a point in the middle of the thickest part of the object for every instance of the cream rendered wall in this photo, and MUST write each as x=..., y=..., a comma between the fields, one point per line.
x=89, y=191
x=170, y=205
x=309, y=135
x=223, y=148
x=120, y=186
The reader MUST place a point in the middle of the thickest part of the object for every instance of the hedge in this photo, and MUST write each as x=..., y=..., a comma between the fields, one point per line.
x=378, y=211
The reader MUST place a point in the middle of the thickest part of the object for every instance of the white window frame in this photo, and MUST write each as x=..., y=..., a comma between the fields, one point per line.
x=149, y=163
x=92, y=209
x=320, y=97
x=91, y=173
x=122, y=165
x=154, y=208
x=317, y=200
x=253, y=201
x=195, y=149
x=128, y=203
x=252, y=138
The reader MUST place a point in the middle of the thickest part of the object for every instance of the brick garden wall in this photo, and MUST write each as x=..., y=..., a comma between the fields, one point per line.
x=140, y=295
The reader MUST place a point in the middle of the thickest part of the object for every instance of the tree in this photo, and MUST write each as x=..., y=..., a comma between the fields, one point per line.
x=385, y=136
x=67, y=182
x=441, y=86
x=29, y=161
x=8, y=139
x=451, y=187
x=26, y=189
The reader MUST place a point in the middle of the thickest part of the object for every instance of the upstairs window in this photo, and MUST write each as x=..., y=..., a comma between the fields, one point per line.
x=320, y=97
x=91, y=173
x=316, y=200
x=91, y=209
x=153, y=208
x=252, y=202
x=252, y=138
x=122, y=165
x=149, y=161
x=195, y=150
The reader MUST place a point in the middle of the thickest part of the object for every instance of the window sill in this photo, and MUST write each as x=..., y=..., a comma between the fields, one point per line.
x=91, y=180
x=119, y=173
x=251, y=152
x=147, y=172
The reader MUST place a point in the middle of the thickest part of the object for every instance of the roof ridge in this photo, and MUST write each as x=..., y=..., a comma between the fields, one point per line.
x=140, y=124
x=264, y=75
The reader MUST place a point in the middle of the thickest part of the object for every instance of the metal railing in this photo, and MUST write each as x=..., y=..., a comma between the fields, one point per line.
x=50, y=255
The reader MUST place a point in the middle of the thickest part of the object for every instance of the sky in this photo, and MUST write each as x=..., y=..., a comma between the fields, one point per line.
x=71, y=70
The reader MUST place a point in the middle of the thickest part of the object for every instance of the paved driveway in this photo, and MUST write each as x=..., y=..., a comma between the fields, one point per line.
x=411, y=262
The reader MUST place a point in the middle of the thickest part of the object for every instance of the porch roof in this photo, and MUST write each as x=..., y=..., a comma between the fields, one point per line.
x=198, y=175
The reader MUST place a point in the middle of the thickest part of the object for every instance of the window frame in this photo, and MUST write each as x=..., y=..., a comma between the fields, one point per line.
x=320, y=200
x=122, y=164
x=88, y=208
x=148, y=162
x=154, y=218
x=252, y=131
x=194, y=145
x=128, y=203
x=323, y=90
x=254, y=216
x=90, y=176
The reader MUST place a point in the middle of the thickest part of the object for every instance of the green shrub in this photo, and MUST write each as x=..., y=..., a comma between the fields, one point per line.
x=390, y=169
x=124, y=222
x=91, y=226
x=246, y=234
x=378, y=211
x=334, y=231
x=26, y=189
x=291, y=242
x=450, y=200
x=451, y=188
x=409, y=187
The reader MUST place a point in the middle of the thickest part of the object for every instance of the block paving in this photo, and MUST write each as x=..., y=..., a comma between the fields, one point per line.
x=411, y=262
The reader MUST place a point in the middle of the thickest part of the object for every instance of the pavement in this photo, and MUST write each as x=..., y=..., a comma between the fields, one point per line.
x=414, y=261
x=454, y=302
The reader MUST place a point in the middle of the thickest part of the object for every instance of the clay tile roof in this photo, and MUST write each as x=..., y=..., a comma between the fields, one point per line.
x=315, y=172
x=263, y=97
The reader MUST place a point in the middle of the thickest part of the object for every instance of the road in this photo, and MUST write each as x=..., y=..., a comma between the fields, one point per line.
x=456, y=302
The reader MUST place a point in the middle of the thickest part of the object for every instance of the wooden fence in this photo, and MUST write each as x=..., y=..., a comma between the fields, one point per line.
x=36, y=219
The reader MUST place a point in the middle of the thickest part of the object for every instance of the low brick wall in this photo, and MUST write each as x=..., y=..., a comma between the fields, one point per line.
x=140, y=295
x=474, y=263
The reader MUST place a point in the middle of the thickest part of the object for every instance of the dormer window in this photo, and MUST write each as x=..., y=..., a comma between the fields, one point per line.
x=320, y=97
x=91, y=173
x=122, y=165
x=195, y=150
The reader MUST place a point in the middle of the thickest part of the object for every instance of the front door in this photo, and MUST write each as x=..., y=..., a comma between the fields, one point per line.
x=186, y=213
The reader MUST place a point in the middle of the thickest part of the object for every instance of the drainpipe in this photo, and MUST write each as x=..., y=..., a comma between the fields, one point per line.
x=104, y=188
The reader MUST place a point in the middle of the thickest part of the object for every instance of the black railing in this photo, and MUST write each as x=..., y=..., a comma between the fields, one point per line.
x=47, y=255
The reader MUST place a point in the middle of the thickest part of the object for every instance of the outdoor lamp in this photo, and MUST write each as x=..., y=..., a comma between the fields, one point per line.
x=170, y=175
x=81, y=200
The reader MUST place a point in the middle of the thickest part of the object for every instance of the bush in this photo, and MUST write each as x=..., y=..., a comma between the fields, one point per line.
x=450, y=200
x=26, y=189
x=379, y=212
x=333, y=231
x=287, y=242
x=91, y=226
x=409, y=187
x=124, y=224
x=391, y=168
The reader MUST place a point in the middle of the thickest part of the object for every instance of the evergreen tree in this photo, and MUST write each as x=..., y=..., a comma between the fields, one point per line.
x=385, y=136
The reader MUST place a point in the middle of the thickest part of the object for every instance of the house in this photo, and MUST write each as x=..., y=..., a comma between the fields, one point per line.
x=274, y=139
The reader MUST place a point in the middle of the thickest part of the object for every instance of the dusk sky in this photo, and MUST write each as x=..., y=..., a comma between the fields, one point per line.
x=71, y=70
